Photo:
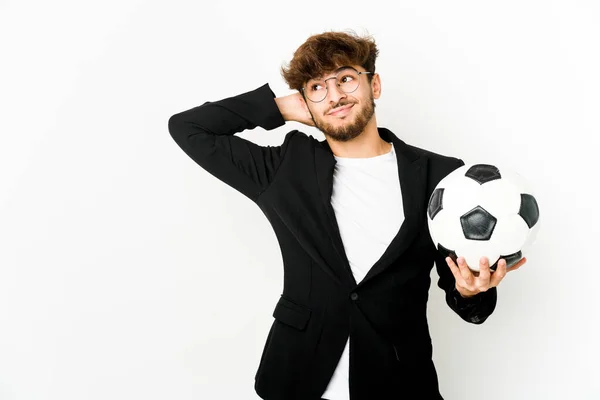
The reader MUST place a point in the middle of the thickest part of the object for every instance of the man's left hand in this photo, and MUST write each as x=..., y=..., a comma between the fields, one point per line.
x=469, y=283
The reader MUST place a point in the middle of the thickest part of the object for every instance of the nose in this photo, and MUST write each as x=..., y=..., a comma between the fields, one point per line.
x=334, y=92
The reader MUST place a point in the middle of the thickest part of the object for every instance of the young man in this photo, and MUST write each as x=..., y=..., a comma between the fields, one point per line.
x=349, y=213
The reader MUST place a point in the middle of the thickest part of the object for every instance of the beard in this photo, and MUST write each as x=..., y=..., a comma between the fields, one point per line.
x=351, y=130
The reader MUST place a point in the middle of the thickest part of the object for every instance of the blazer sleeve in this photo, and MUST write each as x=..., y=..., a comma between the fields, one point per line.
x=206, y=134
x=474, y=309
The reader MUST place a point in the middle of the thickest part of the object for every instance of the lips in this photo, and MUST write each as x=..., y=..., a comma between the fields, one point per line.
x=341, y=110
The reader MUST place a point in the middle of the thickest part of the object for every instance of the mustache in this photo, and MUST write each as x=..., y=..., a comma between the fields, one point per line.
x=339, y=105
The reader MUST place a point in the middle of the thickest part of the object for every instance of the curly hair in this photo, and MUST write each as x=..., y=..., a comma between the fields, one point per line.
x=326, y=52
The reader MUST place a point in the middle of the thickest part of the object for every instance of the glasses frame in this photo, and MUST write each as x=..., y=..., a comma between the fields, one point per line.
x=339, y=71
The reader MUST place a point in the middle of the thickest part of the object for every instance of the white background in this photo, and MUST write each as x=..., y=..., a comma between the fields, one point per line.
x=115, y=248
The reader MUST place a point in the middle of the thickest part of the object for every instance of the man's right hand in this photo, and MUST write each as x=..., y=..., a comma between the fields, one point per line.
x=294, y=108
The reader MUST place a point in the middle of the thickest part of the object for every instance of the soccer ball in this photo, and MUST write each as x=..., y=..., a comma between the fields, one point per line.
x=479, y=210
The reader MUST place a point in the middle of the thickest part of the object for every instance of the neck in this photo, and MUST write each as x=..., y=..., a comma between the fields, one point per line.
x=367, y=144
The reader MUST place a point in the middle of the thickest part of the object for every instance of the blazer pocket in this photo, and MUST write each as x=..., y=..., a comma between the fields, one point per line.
x=291, y=313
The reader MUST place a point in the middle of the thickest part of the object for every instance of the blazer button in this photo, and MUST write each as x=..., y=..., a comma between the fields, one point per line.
x=354, y=296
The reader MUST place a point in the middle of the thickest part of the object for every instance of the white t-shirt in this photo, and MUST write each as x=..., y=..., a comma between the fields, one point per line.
x=367, y=201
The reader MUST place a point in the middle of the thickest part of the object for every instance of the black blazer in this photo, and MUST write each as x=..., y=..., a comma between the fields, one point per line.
x=321, y=303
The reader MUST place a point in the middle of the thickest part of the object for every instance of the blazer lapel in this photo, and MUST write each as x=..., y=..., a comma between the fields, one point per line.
x=325, y=164
x=412, y=171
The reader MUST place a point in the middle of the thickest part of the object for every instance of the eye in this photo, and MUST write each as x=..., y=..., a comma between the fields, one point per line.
x=315, y=87
x=346, y=78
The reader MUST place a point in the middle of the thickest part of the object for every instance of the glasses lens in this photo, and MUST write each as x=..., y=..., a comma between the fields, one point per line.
x=347, y=80
x=316, y=90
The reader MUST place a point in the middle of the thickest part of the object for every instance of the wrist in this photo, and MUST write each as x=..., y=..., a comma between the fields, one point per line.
x=284, y=107
x=464, y=294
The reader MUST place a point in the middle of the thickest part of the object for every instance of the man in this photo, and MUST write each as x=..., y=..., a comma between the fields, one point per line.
x=349, y=213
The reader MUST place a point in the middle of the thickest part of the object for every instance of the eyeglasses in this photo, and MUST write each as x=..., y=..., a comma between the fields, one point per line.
x=347, y=79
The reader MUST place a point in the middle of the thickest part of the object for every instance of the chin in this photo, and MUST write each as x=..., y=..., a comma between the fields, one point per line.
x=346, y=127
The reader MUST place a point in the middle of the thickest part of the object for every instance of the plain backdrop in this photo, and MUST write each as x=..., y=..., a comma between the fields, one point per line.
x=125, y=272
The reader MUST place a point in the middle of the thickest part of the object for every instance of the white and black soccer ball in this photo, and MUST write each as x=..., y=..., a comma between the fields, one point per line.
x=479, y=210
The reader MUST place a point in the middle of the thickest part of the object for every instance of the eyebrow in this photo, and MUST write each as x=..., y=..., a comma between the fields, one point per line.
x=334, y=72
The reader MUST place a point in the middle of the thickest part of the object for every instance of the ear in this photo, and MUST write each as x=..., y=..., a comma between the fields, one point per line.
x=376, y=86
